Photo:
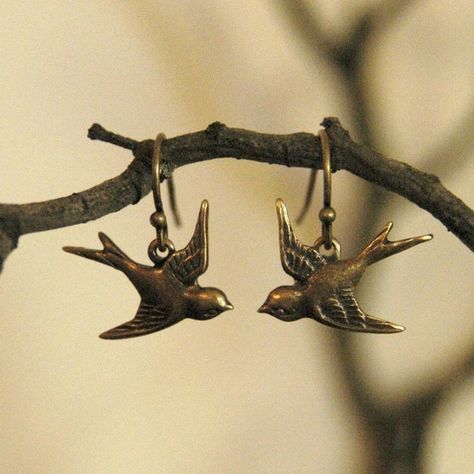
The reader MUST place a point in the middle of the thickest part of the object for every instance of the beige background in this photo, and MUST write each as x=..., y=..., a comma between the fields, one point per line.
x=244, y=393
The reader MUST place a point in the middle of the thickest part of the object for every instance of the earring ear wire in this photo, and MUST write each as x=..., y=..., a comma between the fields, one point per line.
x=158, y=219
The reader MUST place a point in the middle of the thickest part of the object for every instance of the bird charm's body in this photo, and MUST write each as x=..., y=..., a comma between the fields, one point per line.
x=323, y=289
x=169, y=290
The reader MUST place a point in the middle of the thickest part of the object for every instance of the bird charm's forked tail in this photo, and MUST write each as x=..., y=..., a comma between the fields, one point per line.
x=380, y=247
x=111, y=254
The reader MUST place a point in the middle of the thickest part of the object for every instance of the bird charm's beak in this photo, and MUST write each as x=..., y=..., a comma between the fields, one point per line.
x=228, y=306
x=263, y=309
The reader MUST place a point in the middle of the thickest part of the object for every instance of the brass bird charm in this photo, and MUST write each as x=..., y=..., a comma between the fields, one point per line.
x=169, y=290
x=323, y=289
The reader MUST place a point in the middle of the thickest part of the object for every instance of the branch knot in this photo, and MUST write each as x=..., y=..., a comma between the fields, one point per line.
x=214, y=130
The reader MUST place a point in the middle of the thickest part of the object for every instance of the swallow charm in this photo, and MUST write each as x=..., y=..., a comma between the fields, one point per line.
x=324, y=288
x=169, y=290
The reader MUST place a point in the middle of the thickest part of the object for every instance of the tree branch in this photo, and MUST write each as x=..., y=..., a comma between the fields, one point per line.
x=423, y=189
x=295, y=150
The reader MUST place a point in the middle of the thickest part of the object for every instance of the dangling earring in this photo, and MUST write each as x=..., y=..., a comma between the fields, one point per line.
x=324, y=285
x=169, y=290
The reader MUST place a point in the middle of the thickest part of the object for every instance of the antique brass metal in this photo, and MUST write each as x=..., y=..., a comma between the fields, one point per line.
x=169, y=290
x=327, y=215
x=324, y=285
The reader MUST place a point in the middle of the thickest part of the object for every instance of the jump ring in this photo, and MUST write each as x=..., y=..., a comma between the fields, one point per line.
x=153, y=249
x=334, y=245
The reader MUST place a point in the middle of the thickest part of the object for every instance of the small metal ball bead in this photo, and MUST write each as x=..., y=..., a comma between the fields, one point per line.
x=327, y=214
x=158, y=220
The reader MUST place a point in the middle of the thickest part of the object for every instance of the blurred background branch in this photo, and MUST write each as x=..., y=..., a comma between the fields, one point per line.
x=396, y=431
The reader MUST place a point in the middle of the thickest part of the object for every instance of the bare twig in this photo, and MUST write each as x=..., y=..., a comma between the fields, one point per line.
x=383, y=13
x=310, y=29
x=97, y=132
x=298, y=149
x=342, y=53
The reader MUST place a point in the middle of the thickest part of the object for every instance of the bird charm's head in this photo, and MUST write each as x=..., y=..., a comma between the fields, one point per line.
x=207, y=303
x=283, y=303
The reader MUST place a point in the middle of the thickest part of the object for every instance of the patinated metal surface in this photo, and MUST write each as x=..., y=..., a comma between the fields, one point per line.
x=169, y=290
x=323, y=288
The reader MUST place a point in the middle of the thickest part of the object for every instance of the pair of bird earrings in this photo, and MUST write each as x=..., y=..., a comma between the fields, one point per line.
x=323, y=286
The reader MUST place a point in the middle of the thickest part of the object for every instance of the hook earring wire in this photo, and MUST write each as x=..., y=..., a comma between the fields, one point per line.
x=158, y=218
x=326, y=166
x=327, y=214
x=155, y=172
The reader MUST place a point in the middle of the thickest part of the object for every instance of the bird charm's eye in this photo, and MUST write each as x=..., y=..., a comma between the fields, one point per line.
x=281, y=311
x=212, y=312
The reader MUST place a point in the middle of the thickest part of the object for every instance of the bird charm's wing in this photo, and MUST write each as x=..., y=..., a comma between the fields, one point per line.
x=187, y=264
x=149, y=318
x=342, y=311
x=298, y=260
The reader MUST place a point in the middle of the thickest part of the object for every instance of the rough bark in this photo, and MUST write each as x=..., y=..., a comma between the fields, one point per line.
x=293, y=150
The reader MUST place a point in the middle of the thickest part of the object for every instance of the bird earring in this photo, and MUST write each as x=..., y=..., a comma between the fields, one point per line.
x=324, y=285
x=169, y=290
